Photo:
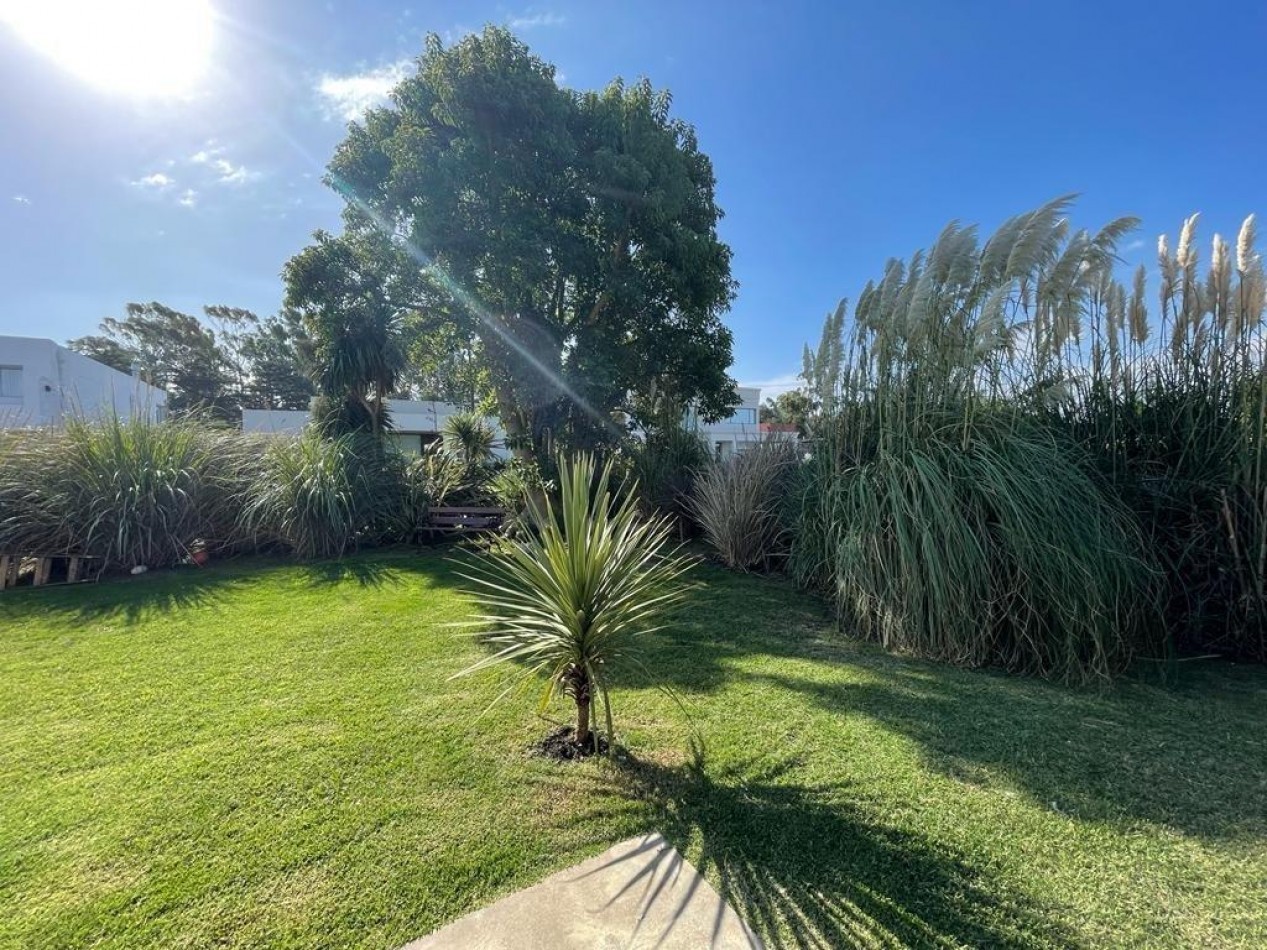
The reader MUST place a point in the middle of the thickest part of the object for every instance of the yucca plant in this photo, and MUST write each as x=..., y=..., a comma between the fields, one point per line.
x=572, y=596
x=469, y=438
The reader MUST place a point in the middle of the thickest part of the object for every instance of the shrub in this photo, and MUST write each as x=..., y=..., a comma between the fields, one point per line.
x=321, y=497
x=739, y=504
x=664, y=466
x=128, y=491
x=571, y=597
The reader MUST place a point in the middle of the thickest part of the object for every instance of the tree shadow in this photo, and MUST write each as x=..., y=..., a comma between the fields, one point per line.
x=130, y=600
x=135, y=599
x=805, y=866
x=1174, y=756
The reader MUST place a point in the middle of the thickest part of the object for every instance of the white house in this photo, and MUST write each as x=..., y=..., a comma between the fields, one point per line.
x=418, y=422
x=415, y=423
x=737, y=432
x=43, y=384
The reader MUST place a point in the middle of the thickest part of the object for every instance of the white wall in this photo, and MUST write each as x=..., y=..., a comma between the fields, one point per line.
x=742, y=428
x=408, y=416
x=58, y=383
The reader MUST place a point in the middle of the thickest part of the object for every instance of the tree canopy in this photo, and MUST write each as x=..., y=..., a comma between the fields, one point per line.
x=567, y=241
x=239, y=361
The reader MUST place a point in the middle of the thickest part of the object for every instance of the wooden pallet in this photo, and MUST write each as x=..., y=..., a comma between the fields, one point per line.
x=79, y=568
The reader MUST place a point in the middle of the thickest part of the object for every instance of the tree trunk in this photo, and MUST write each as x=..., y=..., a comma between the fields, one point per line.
x=519, y=436
x=583, y=719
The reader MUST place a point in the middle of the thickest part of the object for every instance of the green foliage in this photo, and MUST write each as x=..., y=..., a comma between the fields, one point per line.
x=468, y=437
x=664, y=466
x=572, y=597
x=174, y=351
x=991, y=547
x=322, y=497
x=130, y=492
x=244, y=362
x=793, y=407
x=565, y=241
x=355, y=321
x=270, y=358
x=739, y=503
x=1007, y=429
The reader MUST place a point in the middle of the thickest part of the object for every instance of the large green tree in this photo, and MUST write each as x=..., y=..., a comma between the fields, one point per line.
x=230, y=361
x=789, y=408
x=173, y=350
x=570, y=239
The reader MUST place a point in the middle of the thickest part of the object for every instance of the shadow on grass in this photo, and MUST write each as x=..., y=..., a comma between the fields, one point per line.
x=1176, y=756
x=128, y=599
x=804, y=866
x=135, y=599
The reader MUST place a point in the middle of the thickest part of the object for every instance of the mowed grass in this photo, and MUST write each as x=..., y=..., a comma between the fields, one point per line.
x=268, y=754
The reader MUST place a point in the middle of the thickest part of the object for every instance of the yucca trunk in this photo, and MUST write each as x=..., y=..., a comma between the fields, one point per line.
x=583, y=721
x=579, y=686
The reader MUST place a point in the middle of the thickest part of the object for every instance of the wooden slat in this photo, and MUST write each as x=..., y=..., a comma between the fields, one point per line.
x=79, y=568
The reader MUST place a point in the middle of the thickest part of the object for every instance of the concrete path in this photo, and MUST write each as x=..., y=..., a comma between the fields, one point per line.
x=641, y=893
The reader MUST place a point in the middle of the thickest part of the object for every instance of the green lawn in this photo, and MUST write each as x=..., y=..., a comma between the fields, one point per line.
x=271, y=754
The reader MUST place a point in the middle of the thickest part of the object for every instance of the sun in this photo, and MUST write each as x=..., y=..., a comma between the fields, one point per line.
x=139, y=48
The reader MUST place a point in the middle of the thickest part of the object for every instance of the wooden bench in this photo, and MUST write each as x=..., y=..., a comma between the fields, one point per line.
x=463, y=520
x=48, y=569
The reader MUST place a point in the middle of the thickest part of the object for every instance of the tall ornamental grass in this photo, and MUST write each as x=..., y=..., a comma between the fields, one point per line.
x=739, y=504
x=1021, y=465
x=665, y=465
x=322, y=497
x=1173, y=408
x=128, y=491
x=941, y=514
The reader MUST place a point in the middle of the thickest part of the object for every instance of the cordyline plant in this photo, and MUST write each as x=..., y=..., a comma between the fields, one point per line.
x=572, y=596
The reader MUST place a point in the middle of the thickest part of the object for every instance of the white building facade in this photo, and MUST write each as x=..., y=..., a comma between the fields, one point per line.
x=739, y=431
x=415, y=423
x=42, y=384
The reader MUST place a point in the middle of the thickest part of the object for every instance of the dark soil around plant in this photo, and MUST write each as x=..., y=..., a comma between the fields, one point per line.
x=560, y=745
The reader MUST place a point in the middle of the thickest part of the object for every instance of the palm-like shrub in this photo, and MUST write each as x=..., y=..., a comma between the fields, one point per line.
x=128, y=491
x=468, y=437
x=739, y=504
x=321, y=497
x=571, y=597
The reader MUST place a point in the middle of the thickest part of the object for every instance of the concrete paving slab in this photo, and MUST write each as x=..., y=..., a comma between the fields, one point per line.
x=640, y=893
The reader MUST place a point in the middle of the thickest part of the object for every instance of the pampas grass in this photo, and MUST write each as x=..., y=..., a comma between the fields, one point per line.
x=1025, y=468
x=127, y=491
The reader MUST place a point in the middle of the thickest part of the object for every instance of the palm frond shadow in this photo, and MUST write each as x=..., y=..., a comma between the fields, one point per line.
x=806, y=866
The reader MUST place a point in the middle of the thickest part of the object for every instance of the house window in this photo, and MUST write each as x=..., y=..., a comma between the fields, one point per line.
x=745, y=417
x=10, y=382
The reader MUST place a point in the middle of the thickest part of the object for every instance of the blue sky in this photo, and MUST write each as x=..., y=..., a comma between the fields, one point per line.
x=842, y=134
